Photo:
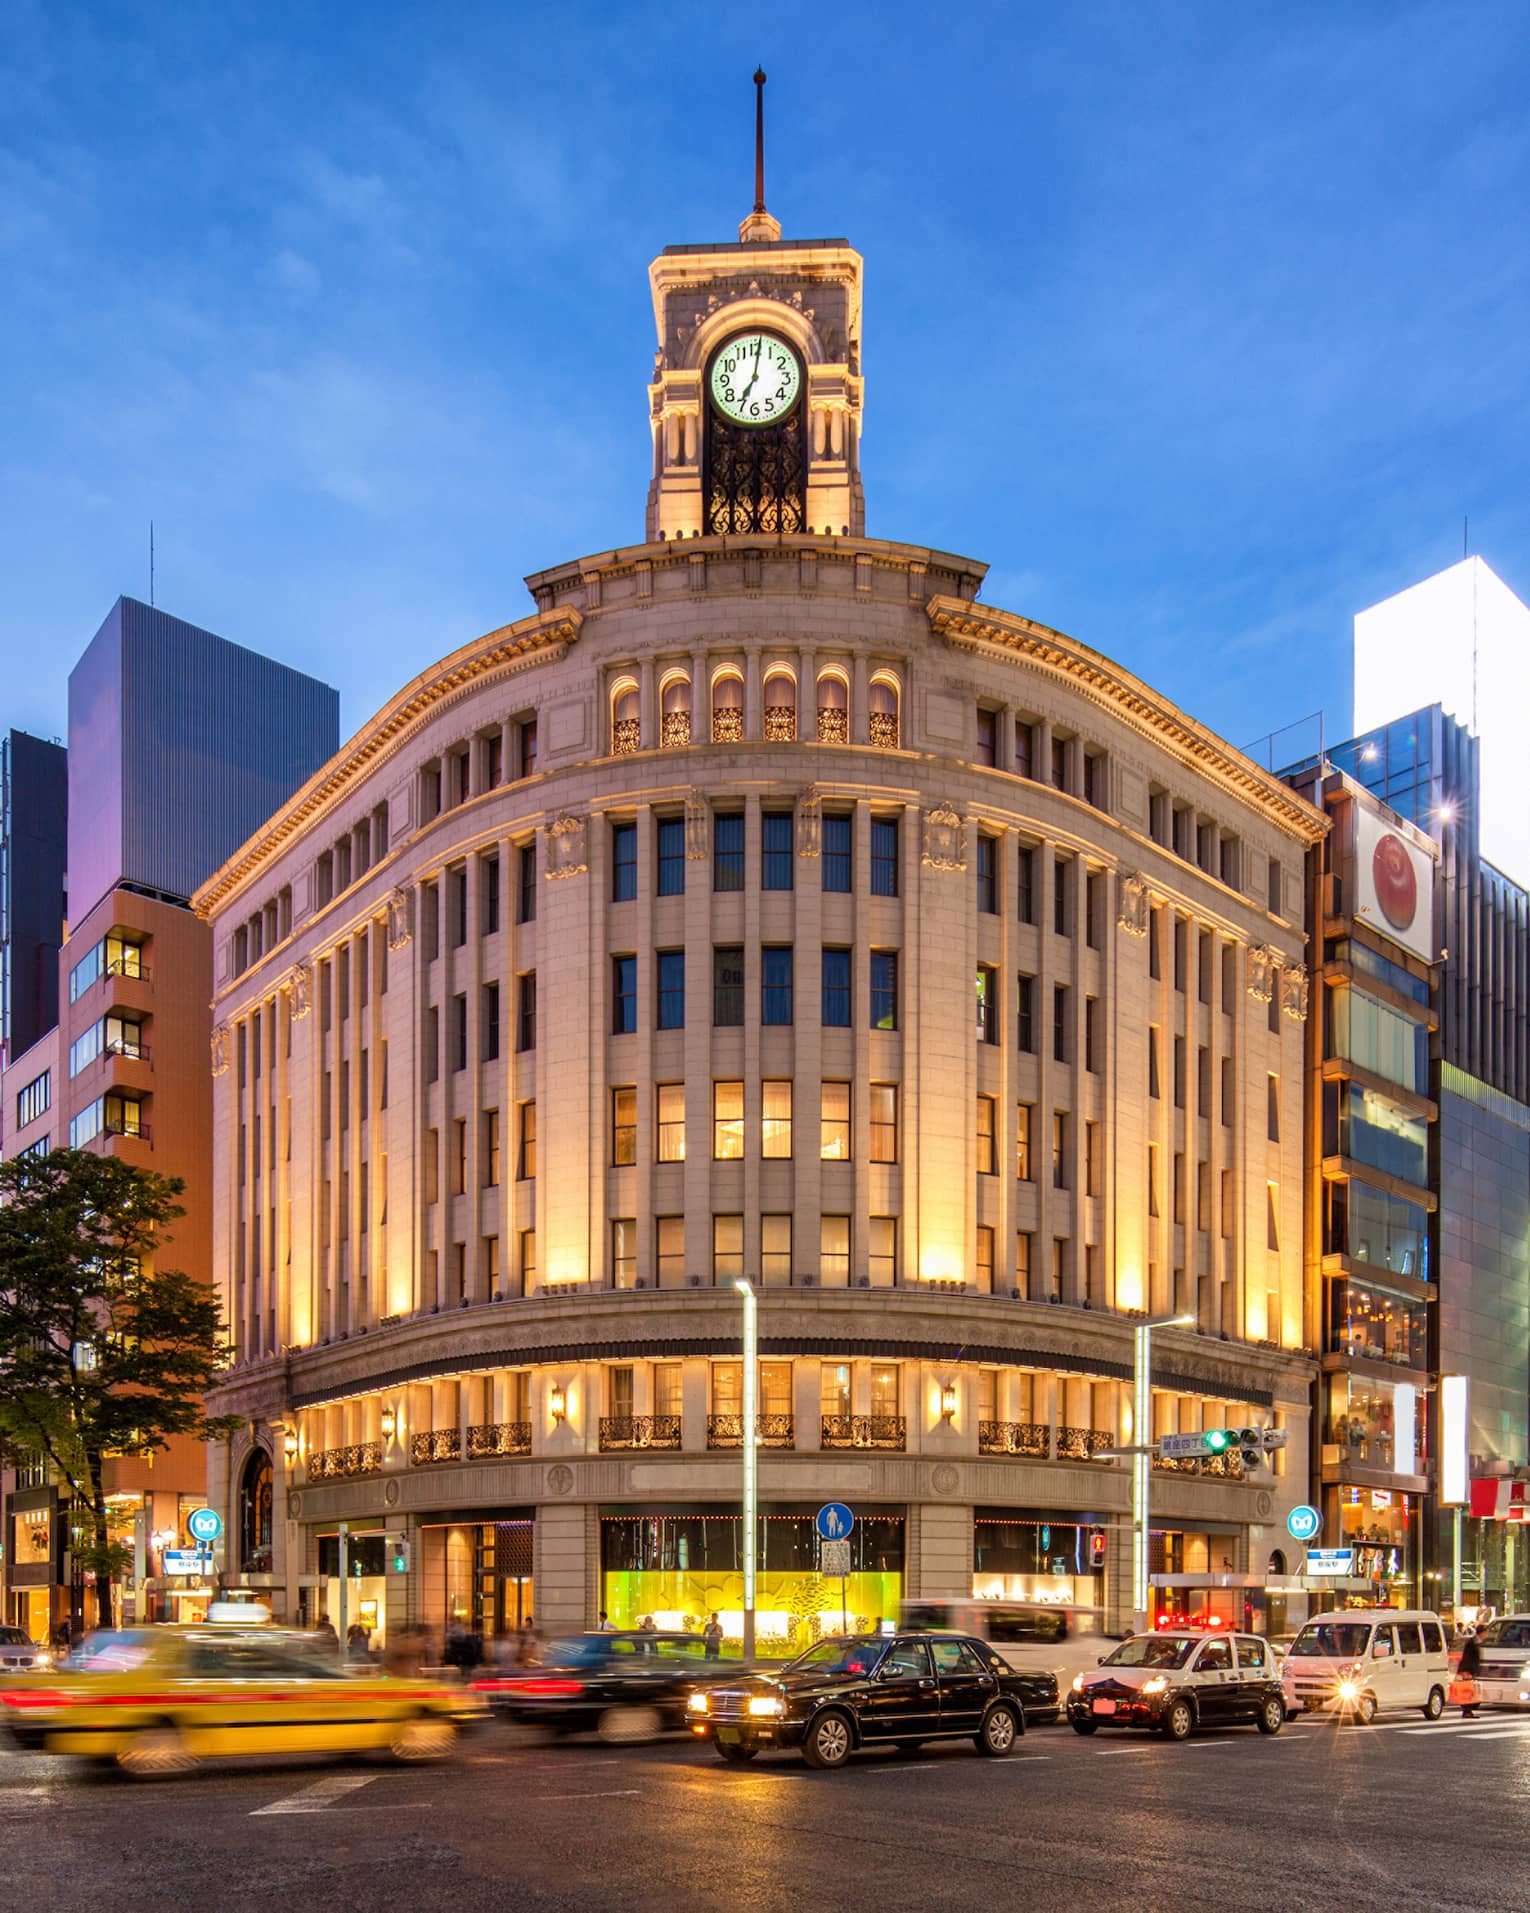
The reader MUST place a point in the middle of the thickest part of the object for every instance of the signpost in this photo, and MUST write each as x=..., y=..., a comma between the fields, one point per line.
x=204, y=1525
x=1304, y=1523
x=834, y=1522
x=1330, y=1560
x=1182, y=1447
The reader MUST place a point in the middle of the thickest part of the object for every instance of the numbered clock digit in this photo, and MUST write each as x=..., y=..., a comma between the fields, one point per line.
x=755, y=379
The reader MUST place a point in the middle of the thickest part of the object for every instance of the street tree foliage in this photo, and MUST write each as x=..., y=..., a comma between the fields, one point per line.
x=103, y=1351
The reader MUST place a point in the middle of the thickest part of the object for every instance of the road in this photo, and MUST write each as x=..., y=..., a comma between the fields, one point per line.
x=1397, y=1816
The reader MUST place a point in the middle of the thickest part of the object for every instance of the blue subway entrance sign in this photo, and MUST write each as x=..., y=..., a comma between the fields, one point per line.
x=204, y=1524
x=1303, y=1523
x=834, y=1521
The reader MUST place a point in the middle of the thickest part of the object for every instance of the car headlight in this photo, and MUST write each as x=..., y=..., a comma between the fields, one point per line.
x=697, y=1704
x=766, y=1706
x=1157, y=1685
x=1349, y=1690
x=1078, y=1683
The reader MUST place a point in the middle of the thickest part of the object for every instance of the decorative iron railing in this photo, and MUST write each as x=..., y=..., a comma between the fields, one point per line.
x=639, y=1431
x=727, y=727
x=1082, y=1444
x=626, y=737
x=884, y=730
x=1227, y=1467
x=675, y=730
x=770, y=1431
x=1032, y=1439
x=833, y=725
x=780, y=723
x=435, y=1444
x=498, y=1438
x=337, y=1464
x=864, y=1431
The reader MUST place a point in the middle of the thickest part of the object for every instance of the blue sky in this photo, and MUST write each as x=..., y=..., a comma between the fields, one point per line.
x=1202, y=325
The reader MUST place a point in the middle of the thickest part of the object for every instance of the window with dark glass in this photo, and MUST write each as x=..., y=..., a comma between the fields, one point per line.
x=623, y=862
x=526, y=1165
x=456, y=905
x=836, y=989
x=987, y=736
x=526, y=1014
x=1025, y=1010
x=671, y=856
x=727, y=986
x=836, y=855
x=1060, y=895
x=776, y=837
x=728, y=851
x=1025, y=886
x=623, y=995
x=988, y=874
x=987, y=1004
x=526, y=748
x=526, y=884
x=1091, y=1032
x=1025, y=748
x=489, y=1020
x=884, y=857
x=1060, y=1022
x=671, y=982
x=488, y=896
x=776, y=984
x=884, y=989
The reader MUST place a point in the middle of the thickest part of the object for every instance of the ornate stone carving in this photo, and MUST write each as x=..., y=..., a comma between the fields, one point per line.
x=220, y=1050
x=1293, y=994
x=945, y=839
x=400, y=917
x=809, y=823
x=560, y=1478
x=390, y=1491
x=294, y=1505
x=944, y=1479
x=1261, y=972
x=697, y=849
x=566, y=855
x=300, y=989
x=1132, y=906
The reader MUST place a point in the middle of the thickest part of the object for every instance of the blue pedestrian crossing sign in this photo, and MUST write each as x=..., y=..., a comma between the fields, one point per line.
x=204, y=1524
x=834, y=1521
x=1303, y=1523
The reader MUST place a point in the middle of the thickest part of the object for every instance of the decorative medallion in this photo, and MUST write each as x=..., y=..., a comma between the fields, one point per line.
x=390, y=1492
x=400, y=918
x=945, y=846
x=300, y=989
x=565, y=847
x=560, y=1478
x=944, y=1478
x=697, y=848
x=809, y=823
x=294, y=1505
x=1264, y=1505
x=1293, y=994
x=1132, y=907
x=1261, y=972
x=220, y=1050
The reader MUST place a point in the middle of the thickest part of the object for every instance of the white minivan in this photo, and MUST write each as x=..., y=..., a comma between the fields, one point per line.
x=1505, y=1676
x=1358, y=1661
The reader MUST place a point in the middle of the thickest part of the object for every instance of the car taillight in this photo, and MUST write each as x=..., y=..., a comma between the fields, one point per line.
x=548, y=1689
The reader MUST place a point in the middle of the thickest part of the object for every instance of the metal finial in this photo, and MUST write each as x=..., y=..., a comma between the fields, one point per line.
x=759, y=139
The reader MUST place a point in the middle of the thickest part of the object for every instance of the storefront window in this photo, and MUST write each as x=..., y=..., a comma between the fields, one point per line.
x=1027, y=1557
x=1378, y=1039
x=1376, y=1325
x=1362, y=1423
x=1372, y=1226
x=1378, y=1524
x=1373, y=1130
x=255, y=1514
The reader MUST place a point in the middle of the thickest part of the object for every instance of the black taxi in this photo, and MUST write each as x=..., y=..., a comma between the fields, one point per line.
x=866, y=1690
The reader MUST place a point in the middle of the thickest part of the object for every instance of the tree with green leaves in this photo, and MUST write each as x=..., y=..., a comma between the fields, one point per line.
x=103, y=1351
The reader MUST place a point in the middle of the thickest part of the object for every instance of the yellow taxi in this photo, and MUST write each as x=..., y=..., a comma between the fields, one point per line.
x=156, y=1700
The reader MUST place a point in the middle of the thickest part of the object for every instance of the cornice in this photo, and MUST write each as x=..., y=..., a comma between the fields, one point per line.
x=540, y=638
x=971, y=626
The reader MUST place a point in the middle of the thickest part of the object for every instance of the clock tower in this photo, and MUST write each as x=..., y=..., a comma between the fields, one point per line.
x=756, y=395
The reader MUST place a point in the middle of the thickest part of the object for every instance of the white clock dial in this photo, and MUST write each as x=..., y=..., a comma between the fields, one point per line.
x=755, y=379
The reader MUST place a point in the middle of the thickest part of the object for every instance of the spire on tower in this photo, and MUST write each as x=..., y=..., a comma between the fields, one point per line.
x=759, y=225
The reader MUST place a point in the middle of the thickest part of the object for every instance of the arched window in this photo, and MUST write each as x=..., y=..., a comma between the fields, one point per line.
x=626, y=725
x=255, y=1514
x=1277, y=1561
x=833, y=709
x=675, y=709
x=884, y=713
x=727, y=710
x=780, y=708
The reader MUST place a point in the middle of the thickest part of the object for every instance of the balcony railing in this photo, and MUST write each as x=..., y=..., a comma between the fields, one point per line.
x=727, y=726
x=770, y=1431
x=1032, y=1439
x=833, y=725
x=339, y=1464
x=675, y=730
x=1082, y=1444
x=498, y=1438
x=864, y=1431
x=884, y=730
x=780, y=723
x=626, y=737
x=435, y=1444
x=1228, y=1467
x=639, y=1431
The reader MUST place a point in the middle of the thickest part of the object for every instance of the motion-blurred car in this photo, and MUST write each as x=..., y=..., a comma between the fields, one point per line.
x=1175, y=1682
x=622, y=1686
x=157, y=1700
x=20, y=1654
x=1505, y=1675
x=864, y=1690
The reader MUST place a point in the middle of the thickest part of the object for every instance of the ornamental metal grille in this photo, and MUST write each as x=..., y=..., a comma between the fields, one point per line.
x=833, y=725
x=727, y=726
x=756, y=476
x=884, y=730
x=780, y=723
x=675, y=731
x=626, y=737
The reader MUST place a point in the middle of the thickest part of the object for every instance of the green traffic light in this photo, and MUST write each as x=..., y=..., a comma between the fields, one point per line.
x=1219, y=1440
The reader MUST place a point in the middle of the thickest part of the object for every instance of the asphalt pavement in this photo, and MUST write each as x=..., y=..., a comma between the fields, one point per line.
x=1398, y=1816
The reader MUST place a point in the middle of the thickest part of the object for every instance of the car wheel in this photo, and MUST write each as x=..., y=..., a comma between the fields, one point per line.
x=426, y=1737
x=1365, y=1709
x=1435, y=1705
x=996, y=1736
x=1085, y=1726
x=828, y=1741
x=627, y=1725
x=155, y=1752
x=1179, y=1721
x=1272, y=1715
x=735, y=1756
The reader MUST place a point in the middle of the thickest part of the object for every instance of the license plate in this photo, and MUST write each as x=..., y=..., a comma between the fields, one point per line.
x=728, y=1735
x=1104, y=1706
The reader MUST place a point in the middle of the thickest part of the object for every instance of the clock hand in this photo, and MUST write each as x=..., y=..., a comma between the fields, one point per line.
x=754, y=375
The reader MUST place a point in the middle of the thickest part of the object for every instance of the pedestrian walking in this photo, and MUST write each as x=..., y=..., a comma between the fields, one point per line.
x=606, y=1626
x=358, y=1642
x=1467, y=1671
x=712, y=1634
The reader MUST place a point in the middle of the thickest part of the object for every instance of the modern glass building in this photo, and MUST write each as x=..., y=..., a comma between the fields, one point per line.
x=34, y=799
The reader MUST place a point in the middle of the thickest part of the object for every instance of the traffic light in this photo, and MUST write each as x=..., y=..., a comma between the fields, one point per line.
x=1219, y=1440
x=398, y=1553
x=1250, y=1447
x=1245, y=1443
x=1271, y=1439
x=1097, y=1549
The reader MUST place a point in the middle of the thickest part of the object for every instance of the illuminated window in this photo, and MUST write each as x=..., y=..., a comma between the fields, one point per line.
x=727, y=1248
x=834, y=1251
x=727, y=710
x=983, y=1272
x=834, y=1123
x=884, y=1122
x=986, y=1138
x=623, y=1127
x=670, y=1114
x=882, y=1252
x=884, y=727
x=675, y=714
x=780, y=708
x=776, y=1251
x=776, y=1120
x=671, y=1247
x=833, y=709
x=727, y=1121
x=623, y=1252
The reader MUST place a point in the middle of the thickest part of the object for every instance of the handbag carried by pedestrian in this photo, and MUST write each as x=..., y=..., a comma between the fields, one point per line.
x=1464, y=1691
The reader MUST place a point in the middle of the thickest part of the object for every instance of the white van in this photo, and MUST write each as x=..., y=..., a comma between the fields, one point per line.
x=1358, y=1661
x=1505, y=1677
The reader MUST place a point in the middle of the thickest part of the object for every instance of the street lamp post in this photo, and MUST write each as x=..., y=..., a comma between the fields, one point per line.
x=1142, y=1453
x=751, y=1368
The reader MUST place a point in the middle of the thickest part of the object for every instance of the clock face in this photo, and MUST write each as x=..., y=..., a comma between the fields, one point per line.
x=755, y=379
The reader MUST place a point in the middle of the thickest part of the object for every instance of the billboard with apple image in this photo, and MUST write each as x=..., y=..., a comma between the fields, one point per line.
x=1394, y=883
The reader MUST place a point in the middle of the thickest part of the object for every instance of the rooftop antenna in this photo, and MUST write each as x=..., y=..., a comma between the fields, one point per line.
x=151, y=564
x=759, y=225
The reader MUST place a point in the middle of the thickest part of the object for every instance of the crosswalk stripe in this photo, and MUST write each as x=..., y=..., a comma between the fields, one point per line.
x=315, y=1799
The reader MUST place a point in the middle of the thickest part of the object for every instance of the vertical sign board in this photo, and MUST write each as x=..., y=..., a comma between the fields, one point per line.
x=1454, y=1487
x=1405, y=1427
x=1394, y=883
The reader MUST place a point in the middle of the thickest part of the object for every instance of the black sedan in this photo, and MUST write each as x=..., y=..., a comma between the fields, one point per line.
x=625, y=1687
x=867, y=1690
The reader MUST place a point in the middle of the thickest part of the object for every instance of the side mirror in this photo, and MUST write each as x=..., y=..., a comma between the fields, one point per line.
x=1102, y=1660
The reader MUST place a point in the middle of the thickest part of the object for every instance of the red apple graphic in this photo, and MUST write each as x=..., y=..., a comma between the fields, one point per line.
x=1396, y=885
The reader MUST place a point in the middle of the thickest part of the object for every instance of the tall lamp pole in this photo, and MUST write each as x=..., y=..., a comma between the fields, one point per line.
x=751, y=1371
x=1142, y=1454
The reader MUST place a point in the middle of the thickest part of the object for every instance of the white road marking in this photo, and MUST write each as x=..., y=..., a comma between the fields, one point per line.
x=610, y=1793
x=320, y=1796
x=916, y=1767
x=20, y=1794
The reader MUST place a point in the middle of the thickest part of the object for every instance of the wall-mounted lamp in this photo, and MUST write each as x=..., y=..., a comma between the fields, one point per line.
x=557, y=1401
x=947, y=1400
x=387, y=1421
x=290, y=1444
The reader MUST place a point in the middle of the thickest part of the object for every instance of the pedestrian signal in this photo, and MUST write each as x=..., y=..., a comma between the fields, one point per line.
x=398, y=1553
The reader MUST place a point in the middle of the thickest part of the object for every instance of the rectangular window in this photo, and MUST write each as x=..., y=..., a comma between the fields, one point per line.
x=1179, y=1072
x=834, y=1252
x=1155, y=943
x=528, y=1249
x=1152, y=1179
x=834, y=1122
x=493, y=760
x=669, y=1121
x=776, y=1120
x=526, y=1013
x=491, y=1266
x=526, y=748
x=1181, y=939
x=1060, y=1022
x=727, y=1249
x=1204, y=956
x=988, y=874
x=1091, y=1033
x=671, y=856
x=432, y=1170
x=489, y=1148
x=1179, y=1187
x=1059, y=1149
x=456, y=913
x=1274, y=894
x=1023, y=1141
x=1091, y=1159
x=488, y=1014
x=1025, y=1012
x=987, y=1004
x=1025, y=885
x=623, y=1127
x=623, y=864
x=1025, y=748
x=1203, y=1082
x=1227, y=1205
x=526, y=884
x=728, y=986
x=884, y=1122
x=1060, y=762
x=882, y=1252
x=777, y=834
x=459, y=1157
x=33, y=1099
x=671, y=982
x=1094, y=911
x=776, y=985
x=671, y=1251
x=1227, y=1092
x=623, y=1252
x=1229, y=977
x=1272, y=1010
x=1060, y=867
x=983, y=1271
x=728, y=851
x=836, y=851
x=776, y=1252
x=1059, y=1266
x=488, y=896
x=1272, y=1216
x=986, y=1138
x=727, y=1122
x=1025, y=1244
x=431, y=1044
x=884, y=856
x=987, y=737
x=1094, y=780
x=884, y=989
x=834, y=1390
x=1203, y=1197
x=526, y=1167
x=623, y=995
x=836, y=989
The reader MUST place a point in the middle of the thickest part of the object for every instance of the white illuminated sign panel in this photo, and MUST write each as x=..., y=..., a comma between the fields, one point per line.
x=1394, y=884
x=1405, y=1425
x=1454, y=1486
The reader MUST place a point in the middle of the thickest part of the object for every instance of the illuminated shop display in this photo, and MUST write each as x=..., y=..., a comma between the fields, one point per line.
x=1376, y=1325
x=1029, y=1557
